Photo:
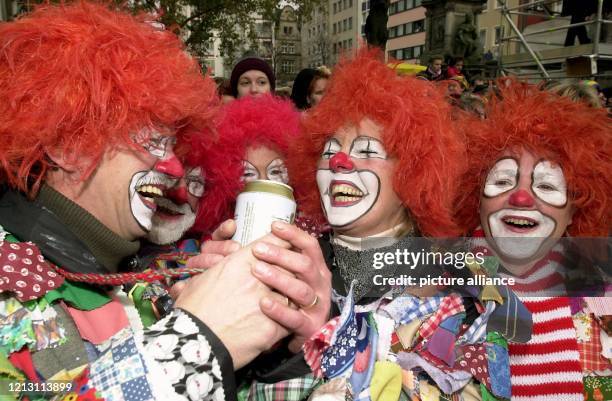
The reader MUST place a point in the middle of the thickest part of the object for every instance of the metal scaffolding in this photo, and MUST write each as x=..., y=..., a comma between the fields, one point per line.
x=531, y=54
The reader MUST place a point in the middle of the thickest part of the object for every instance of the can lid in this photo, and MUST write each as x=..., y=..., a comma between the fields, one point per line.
x=270, y=187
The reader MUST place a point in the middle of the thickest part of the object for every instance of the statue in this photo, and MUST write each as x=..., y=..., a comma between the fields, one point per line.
x=376, y=24
x=466, y=43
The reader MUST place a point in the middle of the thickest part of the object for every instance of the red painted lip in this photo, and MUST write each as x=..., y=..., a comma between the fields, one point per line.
x=519, y=230
x=337, y=203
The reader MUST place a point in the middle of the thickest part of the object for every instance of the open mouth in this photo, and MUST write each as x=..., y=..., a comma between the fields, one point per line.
x=166, y=213
x=148, y=193
x=344, y=193
x=519, y=224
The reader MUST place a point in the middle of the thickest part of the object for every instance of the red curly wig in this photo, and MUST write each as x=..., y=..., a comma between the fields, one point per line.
x=81, y=79
x=248, y=122
x=417, y=132
x=576, y=137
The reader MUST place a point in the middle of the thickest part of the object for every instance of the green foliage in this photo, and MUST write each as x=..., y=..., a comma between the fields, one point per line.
x=200, y=21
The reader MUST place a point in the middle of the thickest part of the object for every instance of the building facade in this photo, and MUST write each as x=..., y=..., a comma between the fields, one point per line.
x=287, y=47
x=316, y=39
x=406, y=29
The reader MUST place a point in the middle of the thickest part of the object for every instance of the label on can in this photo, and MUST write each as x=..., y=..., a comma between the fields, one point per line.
x=260, y=204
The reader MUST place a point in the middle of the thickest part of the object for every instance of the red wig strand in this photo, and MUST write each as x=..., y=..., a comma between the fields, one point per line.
x=248, y=122
x=417, y=132
x=80, y=79
x=576, y=137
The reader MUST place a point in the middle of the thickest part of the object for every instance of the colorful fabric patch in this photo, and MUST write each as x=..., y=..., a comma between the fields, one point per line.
x=15, y=327
x=597, y=388
x=591, y=357
x=47, y=330
x=499, y=370
x=512, y=319
x=339, y=357
x=473, y=359
x=99, y=325
x=442, y=345
x=79, y=295
x=477, y=331
x=405, y=309
x=319, y=342
x=367, y=341
x=120, y=372
x=24, y=271
x=450, y=305
x=287, y=390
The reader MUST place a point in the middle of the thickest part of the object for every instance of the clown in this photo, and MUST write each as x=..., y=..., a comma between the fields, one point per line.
x=532, y=181
x=379, y=158
x=91, y=100
x=259, y=130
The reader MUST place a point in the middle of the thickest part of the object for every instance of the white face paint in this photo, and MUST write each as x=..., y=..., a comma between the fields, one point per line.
x=365, y=147
x=503, y=177
x=347, y=196
x=143, y=207
x=520, y=243
x=549, y=184
x=249, y=173
x=147, y=186
x=276, y=171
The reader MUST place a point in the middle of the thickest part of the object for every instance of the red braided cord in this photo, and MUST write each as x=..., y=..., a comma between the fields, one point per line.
x=148, y=276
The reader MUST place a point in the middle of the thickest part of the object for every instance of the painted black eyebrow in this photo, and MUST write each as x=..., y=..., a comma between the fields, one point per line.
x=368, y=138
x=329, y=143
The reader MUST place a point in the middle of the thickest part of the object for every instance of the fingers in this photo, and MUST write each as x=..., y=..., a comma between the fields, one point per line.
x=204, y=260
x=297, y=237
x=177, y=288
x=292, y=319
x=297, y=290
x=225, y=231
x=223, y=248
x=291, y=261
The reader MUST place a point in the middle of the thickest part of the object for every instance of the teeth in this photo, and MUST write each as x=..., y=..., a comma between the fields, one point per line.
x=520, y=222
x=150, y=189
x=347, y=198
x=346, y=189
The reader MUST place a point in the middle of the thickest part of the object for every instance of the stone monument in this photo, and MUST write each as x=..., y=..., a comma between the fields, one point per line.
x=452, y=31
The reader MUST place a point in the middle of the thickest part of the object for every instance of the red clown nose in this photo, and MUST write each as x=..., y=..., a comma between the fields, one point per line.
x=521, y=198
x=341, y=162
x=178, y=194
x=170, y=166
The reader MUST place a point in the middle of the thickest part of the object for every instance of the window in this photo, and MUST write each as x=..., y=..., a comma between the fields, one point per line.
x=417, y=3
x=288, y=30
x=483, y=37
x=344, y=4
x=334, y=28
x=350, y=23
x=335, y=8
x=498, y=33
x=350, y=3
x=400, y=30
x=401, y=6
x=291, y=48
x=362, y=29
x=335, y=49
x=287, y=66
x=418, y=26
x=350, y=43
x=344, y=25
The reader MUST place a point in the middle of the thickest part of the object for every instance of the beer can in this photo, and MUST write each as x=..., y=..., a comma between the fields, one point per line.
x=260, y=203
